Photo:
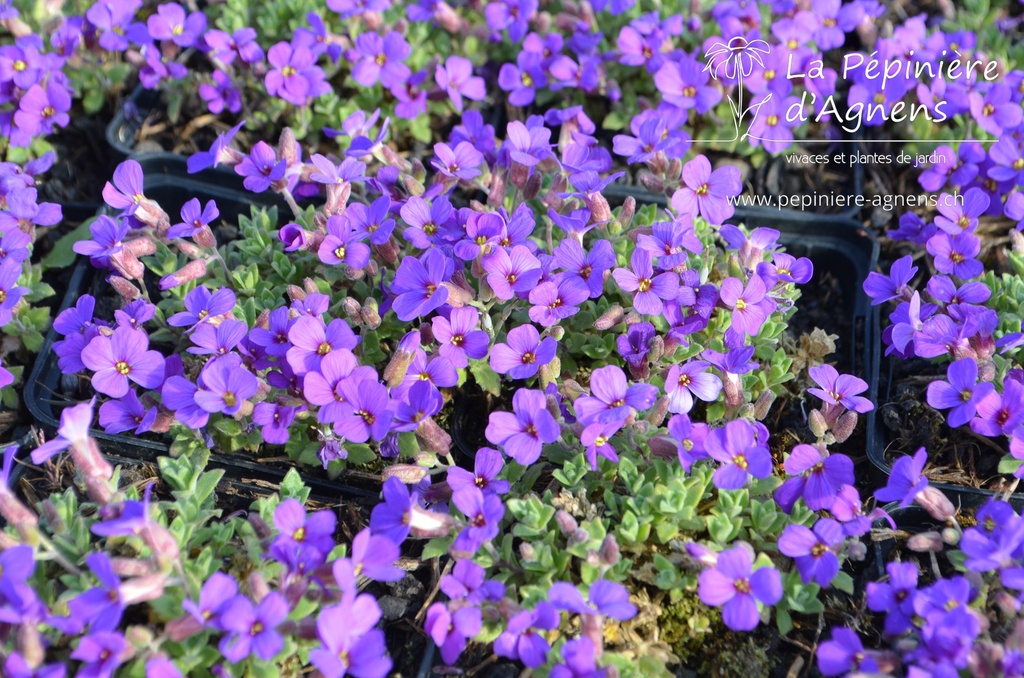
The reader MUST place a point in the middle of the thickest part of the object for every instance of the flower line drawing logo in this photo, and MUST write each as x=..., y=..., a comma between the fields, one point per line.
x=737, y=59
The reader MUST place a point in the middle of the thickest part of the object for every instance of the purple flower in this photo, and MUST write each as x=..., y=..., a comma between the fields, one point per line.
x=221, y=94
x=606, y=598
x=514, y=15
x=349, y=643
x=367, y=411
x=688, y=380
x=737, y=588
x=241, y=43
x=844, y=654
x=649, y=290
x=117, y=416
x=103, y=605
x=39, y=110
x=524, y=353
x=522, y=79
x=955, y=218
x=126, y=192
x=201, y=305
x=634, y=346
x=101, y=654
x=261, y=167
x=896, y=597
x=457, y=79
x=996, y=110
x=253, y=629
x=1008, y=156
x=520, y=640
x=225, y=386
x=10, y=292
x=684, y=83
x=740, y=454
x=378, y=58
x=523, y=433
x=295, y=77
x=707, y=193
x=954, y=254
x=487, y=466
x=392, y=517
x=668, y=240
x=815, y=477
x=451, y=629
x=554, y=301
x=341, y=245
x=586, y=266
x=611, y=399
x=320, y=387
x=371, y=221
x=814, y=551
x=882, y=288
x=596, y=438
x=121, y=357
x=462, y=162
x=483, y=517
x=171, y=23
x=219, y=340
x=1000, y=414
x=527, y=146
x=193, y=220
x=217, y=591
x=458, y=336
x=961, y=391
x=906, y=480
x=312, y=340
x=579, y=660
x=275, y=420
x=105, y=242
x=220, y=152
x=419, y=284
x=750, y=306
x=690, y=438
x=839, y=390
x=427, y=220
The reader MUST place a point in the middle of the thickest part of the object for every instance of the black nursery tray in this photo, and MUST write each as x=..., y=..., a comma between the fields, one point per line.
x=880, y=438
x=45, y=390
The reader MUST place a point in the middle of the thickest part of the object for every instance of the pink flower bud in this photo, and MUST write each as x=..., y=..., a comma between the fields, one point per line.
x=609, y=552
x=763, y=405
x=433, y=438
x=936, y=503
x=924, y=542
x=124, y=288
x=610, y=318
x=410, y=474
x=816, y=421
x=193, y=270
x=567, y=525
x=141, y=589
x=127, y=264
x=526, y=551
x=845, y=426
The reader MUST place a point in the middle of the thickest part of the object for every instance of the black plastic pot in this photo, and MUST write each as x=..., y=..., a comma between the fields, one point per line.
x=842, y=247
x=879, y=440
x=45, y=388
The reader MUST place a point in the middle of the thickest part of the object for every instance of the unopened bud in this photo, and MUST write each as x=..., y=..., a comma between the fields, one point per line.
x=856, y=550
x=845, y=426
x=747, y=411
x=496, y=196
x=141, y=589
x=388, y=251
x=532, y=186
x=128, y=265
x=763, y=404
x=350, y=305
x=433, y=438
x=936, y=503
x=260, y=526
x=130, y=567
x=610, y=318
x=609, y=552
x=140, y=247
x=30, y=647
x=124, y=288
x=410, y=474
x=951, y=536
x=205, y=238
x=296, y=293
x=258, y=587
x=627, y=212
x=52, y=517
x=600, y=211
x=526, y=551
x=288, y=147
x=193, y=270
x=567, y=525
x=1017, y=240
x=552, y=406
x=580, y=536
x=817, y=423
x=733, y=390
x=656, y=349
x=657, y=414
x=191, y=250
x=572, y=390
x=370, y=317
x=924, y=542
x=21, y=517
x=987, y=370
x=395, y=370
x=651, y=182
x=520, y=175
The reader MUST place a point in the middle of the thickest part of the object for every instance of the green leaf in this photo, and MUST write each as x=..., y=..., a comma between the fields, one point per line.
x=485, y=377
x=62, y=256
x=292, y=486
x=843, y=582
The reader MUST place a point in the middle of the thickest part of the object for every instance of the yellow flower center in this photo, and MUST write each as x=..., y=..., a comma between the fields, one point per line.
x=123, y=367
x=741, y=304
x=178, y=30
x=740, y=461
x=988, y=110
x=20, y=65
x=689, y=91
x=703, y=189
x=773, y=120
x=323, y=349
x=340, y=252
x=644, y=284
x=528, y=358
x=230, y=400
x=742, y=585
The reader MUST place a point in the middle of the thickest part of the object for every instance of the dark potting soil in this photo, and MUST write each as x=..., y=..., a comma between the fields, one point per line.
x=956, y=456
x=84, y=162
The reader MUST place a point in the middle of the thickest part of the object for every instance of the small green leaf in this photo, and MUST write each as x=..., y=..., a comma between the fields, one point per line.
x=62, y=256
x=485, y=377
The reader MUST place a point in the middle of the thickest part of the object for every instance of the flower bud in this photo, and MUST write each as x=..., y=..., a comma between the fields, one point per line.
x=127, y=264
x=296, y=293
x=580, y=536
x=951, y=536
x=125, y=289
x=845, y=426
x=395, y=370
x=567, y=525
x=496, y=196
x=657, y=414
x=986, y=371
x=924, y=542
x=572, y=390
x=816, y=421
x=600, y=211
x=520, y=174
x=532, y=186
x=410, y=474
x=258, y=587
x=763, y=404
x=141, y=589
x=193, y=270
x=936, y=503
x=260, y=526
x=627, y=212
x=856, y=550
x=370, y=317
x=526, y=551
x=30, y=646
x=140, y=247
x=151, y=214
x=287, y=147
x=609, y=552
x=651, y=182
x=610, y=318
x=746, y=411
x=130, y=567
x=51, y=515
x=656, y=349
x=350, y=305
x=433, y=438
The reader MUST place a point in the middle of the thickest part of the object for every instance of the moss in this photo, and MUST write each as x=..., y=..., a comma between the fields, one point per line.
x=697, y=636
